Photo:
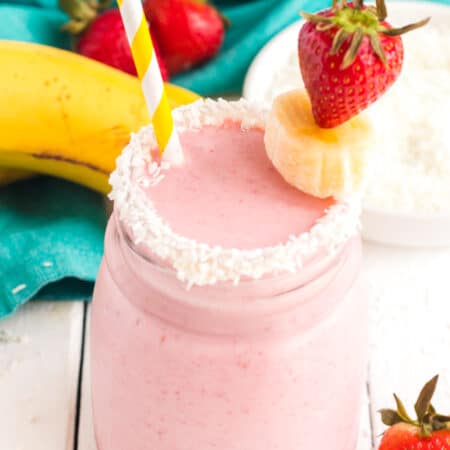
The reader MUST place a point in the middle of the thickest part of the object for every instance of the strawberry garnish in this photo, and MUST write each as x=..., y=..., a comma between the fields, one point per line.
x=189, y=32
x=100, y=35
x=429, y=430
x=349, y=56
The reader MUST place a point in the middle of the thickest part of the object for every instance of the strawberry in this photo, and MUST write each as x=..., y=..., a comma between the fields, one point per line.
x=429, y=431
x=102, y=36
x=189, y=32
x=349, y=56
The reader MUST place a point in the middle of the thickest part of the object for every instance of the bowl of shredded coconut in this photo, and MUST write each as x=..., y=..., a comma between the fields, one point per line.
x=407, y=201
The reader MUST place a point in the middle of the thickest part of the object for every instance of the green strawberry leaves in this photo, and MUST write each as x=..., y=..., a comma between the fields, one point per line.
x=390, y=417
x=422, y=406
x=402, y=410
x=355, y=21
x=427, y=420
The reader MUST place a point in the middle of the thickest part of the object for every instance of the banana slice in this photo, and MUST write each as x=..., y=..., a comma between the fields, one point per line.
x=322, y=162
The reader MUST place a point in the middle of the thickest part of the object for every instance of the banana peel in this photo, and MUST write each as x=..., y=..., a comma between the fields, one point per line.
x=8, y=176
x=65, y=115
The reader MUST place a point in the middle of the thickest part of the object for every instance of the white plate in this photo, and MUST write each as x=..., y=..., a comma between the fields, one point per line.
x=385, y=227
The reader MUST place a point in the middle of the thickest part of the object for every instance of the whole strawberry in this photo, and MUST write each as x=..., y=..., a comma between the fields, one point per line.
x=101, y=36
x=189, y=32
x=349, y=56
x=430, y=431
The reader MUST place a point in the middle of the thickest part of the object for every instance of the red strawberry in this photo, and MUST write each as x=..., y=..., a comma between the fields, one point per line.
x=349, y=56
x=429, y=431
x=189, y=32
x=407, y=437
x=103, y=38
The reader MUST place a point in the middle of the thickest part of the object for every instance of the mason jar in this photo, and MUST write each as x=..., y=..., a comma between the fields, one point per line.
x=274, y=363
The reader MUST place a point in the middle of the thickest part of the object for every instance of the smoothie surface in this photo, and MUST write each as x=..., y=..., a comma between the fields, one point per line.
x=228, y=193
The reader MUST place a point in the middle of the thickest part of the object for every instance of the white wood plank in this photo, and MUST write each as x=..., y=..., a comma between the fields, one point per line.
x=39, y=361
x=410, y=324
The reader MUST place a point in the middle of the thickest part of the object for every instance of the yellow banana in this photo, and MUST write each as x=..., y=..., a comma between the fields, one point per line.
x=10, y=175
x=65, y=115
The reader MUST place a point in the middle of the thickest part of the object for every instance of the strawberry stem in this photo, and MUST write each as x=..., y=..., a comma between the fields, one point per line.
x=381, y=10
x=406, y=28
x=356, y=21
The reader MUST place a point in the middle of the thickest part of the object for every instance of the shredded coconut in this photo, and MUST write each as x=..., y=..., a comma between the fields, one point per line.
x=18, y=288
x=410, y=171
x=198, y=263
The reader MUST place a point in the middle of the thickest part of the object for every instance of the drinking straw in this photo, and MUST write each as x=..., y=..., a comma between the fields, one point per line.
x=149, y=74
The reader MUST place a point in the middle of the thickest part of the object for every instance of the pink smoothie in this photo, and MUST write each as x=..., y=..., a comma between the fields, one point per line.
x=276, y=363
x=228, y=193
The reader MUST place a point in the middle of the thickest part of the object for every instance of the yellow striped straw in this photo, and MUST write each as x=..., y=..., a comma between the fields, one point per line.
x=149, y=73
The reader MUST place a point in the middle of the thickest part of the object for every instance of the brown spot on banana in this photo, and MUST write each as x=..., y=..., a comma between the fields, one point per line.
x=70, y=161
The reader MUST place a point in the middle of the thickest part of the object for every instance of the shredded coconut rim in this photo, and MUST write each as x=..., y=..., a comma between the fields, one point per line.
x=198, y=263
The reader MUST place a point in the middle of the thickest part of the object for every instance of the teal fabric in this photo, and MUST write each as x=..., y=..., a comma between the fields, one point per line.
x=51, y=231
x=51, y=241
x=252, y=25
x=33, y=24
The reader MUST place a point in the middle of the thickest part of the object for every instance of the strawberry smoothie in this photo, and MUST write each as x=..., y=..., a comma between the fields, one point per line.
x=227, y=313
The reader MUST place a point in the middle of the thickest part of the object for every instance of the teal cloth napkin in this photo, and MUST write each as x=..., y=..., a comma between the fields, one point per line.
x=252, y=25
x=51, y=231
x=51, y=241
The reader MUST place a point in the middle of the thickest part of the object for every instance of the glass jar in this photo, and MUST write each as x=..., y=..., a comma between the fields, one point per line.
x=276, y=363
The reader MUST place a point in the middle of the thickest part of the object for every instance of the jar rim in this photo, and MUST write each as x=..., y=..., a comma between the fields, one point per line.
x=316, y=265
x=152, y=287
x=198, y=263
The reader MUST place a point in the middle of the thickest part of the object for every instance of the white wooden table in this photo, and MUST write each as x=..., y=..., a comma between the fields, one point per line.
x=44, y=361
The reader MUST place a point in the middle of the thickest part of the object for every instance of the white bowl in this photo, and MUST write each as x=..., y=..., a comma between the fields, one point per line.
x=408, y=230
x=412, y=230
